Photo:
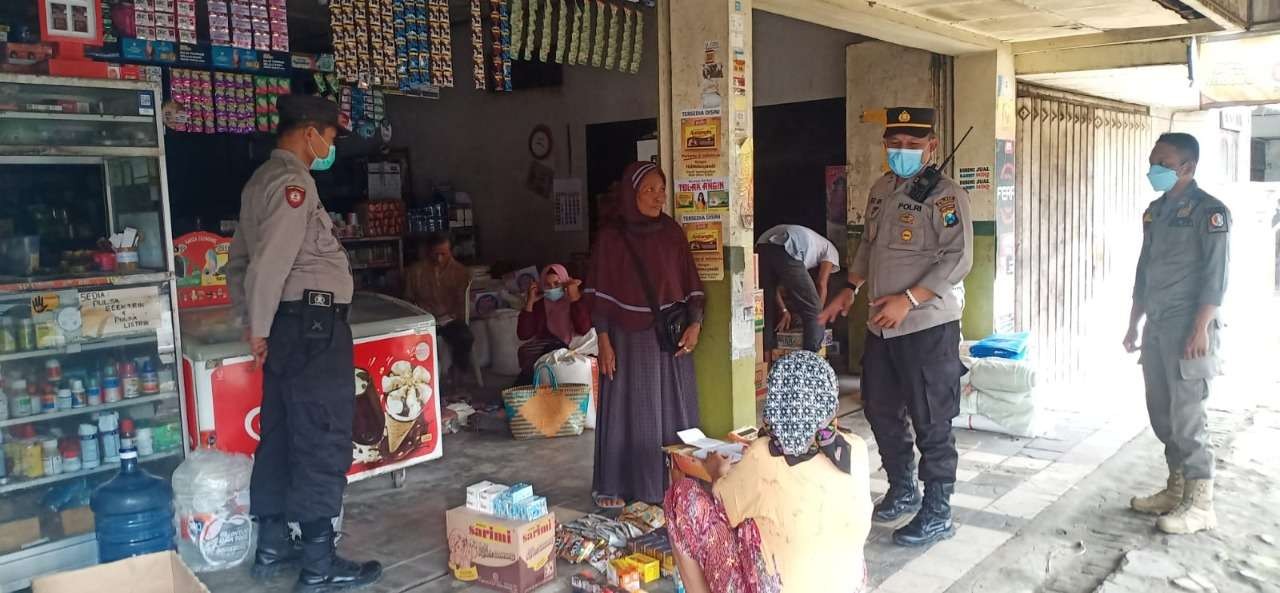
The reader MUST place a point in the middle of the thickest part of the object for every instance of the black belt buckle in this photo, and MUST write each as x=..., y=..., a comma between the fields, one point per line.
x=317, y=314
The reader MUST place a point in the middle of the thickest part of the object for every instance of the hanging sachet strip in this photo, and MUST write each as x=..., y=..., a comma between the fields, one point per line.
x=602, y=30
x=638, y=52
x=544, y=50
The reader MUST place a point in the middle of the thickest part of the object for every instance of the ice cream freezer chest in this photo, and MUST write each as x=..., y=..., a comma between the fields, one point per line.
x=395, y=387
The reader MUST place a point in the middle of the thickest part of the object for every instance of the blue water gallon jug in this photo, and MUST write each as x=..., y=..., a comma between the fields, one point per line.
x=133, y=512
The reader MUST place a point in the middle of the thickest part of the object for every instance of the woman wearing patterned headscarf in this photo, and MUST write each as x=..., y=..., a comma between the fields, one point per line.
x=806, y=529
x=647, y=392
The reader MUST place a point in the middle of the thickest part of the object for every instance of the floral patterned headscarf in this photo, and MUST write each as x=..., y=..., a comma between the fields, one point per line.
x=799, y=412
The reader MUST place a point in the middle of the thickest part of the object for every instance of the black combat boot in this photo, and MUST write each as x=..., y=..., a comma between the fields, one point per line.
x=933, y=522
x=903, y=497
x=276, y=549
x=323, y=571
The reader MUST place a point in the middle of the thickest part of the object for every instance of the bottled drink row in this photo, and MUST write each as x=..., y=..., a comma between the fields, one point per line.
x=29, y=389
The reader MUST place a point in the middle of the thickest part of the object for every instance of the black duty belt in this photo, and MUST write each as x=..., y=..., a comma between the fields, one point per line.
x=295, y=308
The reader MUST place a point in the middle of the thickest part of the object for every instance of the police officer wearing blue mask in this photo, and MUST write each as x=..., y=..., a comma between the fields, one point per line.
x=1181, y=279
x=913, y=258
x=290, y=283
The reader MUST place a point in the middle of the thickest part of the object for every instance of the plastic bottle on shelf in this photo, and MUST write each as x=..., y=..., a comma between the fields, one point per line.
x=4, y=404
x=133, y=512
x=129, y=381
x=8, y=335
x=71, y=456
x=111, y=391
x=93, y=392
x=32, y=459
x=150, y=378
x=145, y=441
x=109, y=430
x=19, y=399
x=53, y=370
x=51, y=457
x=65, y=400
x=79, y=395
x=49, y=401
x=3, y=449
x=90, y=452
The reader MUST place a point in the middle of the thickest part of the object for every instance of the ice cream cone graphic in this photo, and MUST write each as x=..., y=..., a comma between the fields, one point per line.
x=408, y=389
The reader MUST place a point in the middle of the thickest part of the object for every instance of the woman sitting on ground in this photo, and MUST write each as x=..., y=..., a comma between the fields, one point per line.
x=805, y=530
x=553, y=314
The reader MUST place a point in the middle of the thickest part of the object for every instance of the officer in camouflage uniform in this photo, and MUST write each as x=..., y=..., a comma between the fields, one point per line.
x=913, y=258
x=1181, y=279
x=291, y=284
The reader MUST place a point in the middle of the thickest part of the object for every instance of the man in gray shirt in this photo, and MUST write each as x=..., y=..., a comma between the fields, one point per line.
x=1180, y=283
x=788, y=254
x=913, y=257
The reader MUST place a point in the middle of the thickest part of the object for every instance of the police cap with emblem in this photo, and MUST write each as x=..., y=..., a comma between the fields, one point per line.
x=296, y=109
x=912, y=121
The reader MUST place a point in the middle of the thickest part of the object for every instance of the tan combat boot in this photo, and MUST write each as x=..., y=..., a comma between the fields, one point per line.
x=1162, y=501
x=1194, y=513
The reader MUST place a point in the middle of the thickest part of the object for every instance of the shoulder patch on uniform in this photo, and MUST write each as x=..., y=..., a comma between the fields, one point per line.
x=947, y=210
x=1218, y=222
x=295, y=195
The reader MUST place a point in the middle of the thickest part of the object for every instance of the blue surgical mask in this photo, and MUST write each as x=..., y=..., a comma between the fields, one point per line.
x=906, y=162
x=554, y=294
x=1162, y=178
x=323, y=164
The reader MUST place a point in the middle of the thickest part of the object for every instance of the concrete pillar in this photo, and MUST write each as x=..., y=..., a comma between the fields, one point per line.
x=879, y=75
x=707, y=85
x=985, y=97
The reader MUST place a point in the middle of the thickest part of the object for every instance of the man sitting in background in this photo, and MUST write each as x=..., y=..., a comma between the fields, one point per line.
x=438, y=283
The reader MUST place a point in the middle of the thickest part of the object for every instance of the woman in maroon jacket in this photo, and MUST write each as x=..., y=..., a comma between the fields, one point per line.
x=553, y=314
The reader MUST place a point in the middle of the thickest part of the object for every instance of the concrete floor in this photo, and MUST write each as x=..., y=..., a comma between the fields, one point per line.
x=1046, y=514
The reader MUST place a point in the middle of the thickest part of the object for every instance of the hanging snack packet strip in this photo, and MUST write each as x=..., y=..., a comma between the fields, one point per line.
x=584, y=52
x=639, y=47
x=477, y=48
x=361, y=15
x=611, y=57
x=544, y=51
x=507, y=55
x=575, y=35
x=602, y=29
x=517, y=25
x=533, y=31
x=561, y=34
x=624, y=60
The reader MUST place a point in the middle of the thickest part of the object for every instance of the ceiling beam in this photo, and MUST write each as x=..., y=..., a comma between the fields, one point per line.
x=877, y=21
x=1131, y=55
x=1118, y=36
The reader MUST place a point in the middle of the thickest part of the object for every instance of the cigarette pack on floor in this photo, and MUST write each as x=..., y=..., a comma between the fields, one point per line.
x=625, y=574
x=501, y=554
x=529, y=509
x=650, y=569
x=486, y=498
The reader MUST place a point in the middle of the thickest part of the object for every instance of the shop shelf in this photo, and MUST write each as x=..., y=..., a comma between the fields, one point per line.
x=17, y=485
x=82, y=347
x=124, y=403
x=105, y=280
x=371, y=239
x=132, y=119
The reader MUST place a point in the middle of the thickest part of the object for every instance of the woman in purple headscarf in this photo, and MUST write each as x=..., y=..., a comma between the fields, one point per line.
x=647, y=394
x=554, y=313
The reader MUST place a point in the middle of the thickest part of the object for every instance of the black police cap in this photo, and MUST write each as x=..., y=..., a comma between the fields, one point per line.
x=913, y=121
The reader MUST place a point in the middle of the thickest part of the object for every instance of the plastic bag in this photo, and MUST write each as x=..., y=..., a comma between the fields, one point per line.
x=211, y=504
x=577, y=364
x=1013, y=346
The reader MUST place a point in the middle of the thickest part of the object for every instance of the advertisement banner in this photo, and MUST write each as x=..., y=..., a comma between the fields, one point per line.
x=397, y=403
x=705, y=233
x=702, y=195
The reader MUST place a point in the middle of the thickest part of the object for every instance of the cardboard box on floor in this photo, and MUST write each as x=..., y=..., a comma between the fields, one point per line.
x=682, y=463
x=162, y=572
x=504, y=555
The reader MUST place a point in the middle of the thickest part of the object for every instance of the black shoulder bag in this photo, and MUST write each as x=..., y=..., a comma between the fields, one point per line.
x=669, y=324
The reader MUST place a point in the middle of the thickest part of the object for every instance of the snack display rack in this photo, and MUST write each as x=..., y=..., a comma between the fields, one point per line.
x=88, y=332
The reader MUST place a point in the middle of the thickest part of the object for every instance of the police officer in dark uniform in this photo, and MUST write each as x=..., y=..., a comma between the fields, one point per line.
x=1180, y=283
x=291, y=284
x=914, y=256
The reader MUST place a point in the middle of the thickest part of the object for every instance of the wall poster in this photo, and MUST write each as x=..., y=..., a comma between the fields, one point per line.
x=700, y=142
x=705, y=233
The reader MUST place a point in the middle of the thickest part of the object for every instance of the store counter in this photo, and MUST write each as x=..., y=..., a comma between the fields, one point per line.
x=396, y=384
